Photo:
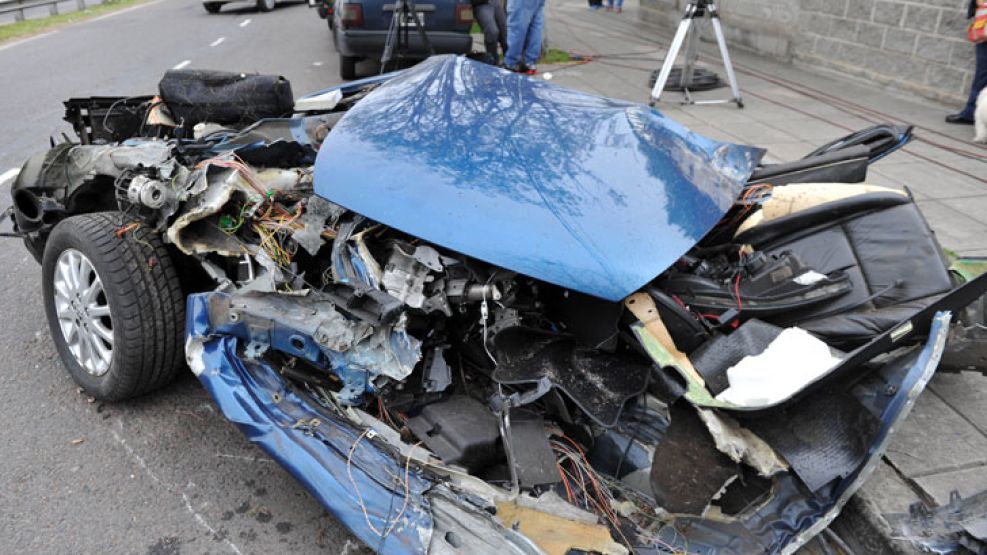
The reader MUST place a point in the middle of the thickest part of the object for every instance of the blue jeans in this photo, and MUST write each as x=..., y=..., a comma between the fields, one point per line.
x=525, y=20
x=979, y=81
x=620, y=3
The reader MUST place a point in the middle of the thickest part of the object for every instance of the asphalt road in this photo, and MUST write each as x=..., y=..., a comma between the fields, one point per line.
x=166, y=473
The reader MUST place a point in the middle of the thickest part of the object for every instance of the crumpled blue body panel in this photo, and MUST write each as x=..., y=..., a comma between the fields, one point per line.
x=589, y=193
x=314, y=447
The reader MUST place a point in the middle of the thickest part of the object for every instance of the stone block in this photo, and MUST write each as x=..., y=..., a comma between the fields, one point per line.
x=861, y=10
x=946, y=77
x=921, y=18
x=844, y=29
x=953, y=23
x=934, y=48
x=901, y=41
x=870, y=34
x=888, y=13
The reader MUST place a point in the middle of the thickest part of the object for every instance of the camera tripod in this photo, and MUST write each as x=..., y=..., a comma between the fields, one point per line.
x=405, y=15
x=688, y=35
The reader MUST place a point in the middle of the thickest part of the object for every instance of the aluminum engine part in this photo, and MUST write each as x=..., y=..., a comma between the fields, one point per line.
x=405, y=277
x=148, y=192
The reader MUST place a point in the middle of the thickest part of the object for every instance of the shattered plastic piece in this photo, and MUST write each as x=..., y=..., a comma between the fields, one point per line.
x=460, y=430
x=534, y=460
x=795, y=358
x=600, y=383
x=319, y=102
x=688, y=470
x=556, y=535
x=740, y=444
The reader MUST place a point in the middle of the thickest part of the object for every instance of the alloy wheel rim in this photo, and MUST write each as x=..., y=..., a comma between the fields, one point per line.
x=83, y=312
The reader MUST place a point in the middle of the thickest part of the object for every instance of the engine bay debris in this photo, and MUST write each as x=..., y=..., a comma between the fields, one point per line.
x=711, y=373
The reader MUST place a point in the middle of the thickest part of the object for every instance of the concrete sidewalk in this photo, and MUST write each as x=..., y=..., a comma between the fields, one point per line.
x=789, y=110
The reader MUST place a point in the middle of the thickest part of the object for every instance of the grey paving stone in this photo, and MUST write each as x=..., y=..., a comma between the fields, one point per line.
x=966, y=482
x=935, y=439
x=928, y=180
x=966, y=392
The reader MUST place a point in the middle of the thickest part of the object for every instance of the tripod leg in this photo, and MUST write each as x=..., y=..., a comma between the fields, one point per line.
x=725, y=54
x=673, y=53
x=389, y=42
x=689, y=61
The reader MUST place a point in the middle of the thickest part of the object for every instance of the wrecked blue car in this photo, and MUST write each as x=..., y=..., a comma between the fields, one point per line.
x=473, y=312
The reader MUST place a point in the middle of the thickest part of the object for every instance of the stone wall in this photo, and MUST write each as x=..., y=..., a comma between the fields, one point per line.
x=916, y=46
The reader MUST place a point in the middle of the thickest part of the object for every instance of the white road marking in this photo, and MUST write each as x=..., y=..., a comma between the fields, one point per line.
x=182, y=64
x=9, y=174
x=217, y=42
x=317, y=64
x=245, y=22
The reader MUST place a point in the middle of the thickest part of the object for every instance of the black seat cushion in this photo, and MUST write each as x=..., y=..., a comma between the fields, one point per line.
x=893, y=260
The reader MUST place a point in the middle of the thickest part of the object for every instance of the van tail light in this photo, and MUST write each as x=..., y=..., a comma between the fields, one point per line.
x=352, y=15
x=464, y=14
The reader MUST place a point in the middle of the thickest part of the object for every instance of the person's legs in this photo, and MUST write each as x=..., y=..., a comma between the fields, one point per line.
x=484, y=14
x=620, y=6
x=501, y=18
x=532, y=49
x=979, y=82
x=519, y=14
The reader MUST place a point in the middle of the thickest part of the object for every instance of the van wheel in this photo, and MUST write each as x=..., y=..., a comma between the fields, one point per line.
x=212, y=7
x=114, y=305
x=347, y=67
x=265, y=5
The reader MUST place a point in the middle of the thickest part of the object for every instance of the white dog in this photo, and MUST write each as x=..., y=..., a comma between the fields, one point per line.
x=980, y=118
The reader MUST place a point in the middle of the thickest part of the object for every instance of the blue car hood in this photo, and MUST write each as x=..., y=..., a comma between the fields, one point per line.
x=589, y=193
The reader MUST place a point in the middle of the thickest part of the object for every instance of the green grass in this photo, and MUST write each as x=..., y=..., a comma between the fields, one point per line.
x=475, y=29
x=554, y=56
x=34, y=26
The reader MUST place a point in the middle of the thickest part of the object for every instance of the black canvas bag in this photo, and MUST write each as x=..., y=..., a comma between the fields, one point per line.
x=195, y=96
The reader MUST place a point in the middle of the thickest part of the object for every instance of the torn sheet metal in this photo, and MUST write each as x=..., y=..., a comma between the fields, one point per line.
x=436, y=155
x=959, y=525
x=312, y=329
x=192, y=232
x=321, y=454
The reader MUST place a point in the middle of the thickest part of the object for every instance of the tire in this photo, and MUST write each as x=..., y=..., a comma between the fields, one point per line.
x=212, y=7
x=347, y=67
x=265, y=5
x=141, y=306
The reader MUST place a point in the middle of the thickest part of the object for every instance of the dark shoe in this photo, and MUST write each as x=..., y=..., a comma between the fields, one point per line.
x=514, y=69
x=959, y=119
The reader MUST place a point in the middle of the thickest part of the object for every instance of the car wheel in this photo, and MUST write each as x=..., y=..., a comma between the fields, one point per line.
x=212, y=7
x=265, y=5
x=114, y=305
x=347, y=67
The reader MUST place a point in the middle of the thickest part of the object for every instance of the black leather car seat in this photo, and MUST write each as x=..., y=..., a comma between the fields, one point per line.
x=880, y=239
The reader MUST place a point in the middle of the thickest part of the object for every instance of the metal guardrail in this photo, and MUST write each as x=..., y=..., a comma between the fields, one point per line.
x=18, y=6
